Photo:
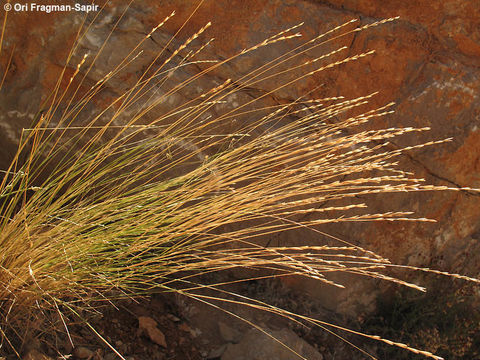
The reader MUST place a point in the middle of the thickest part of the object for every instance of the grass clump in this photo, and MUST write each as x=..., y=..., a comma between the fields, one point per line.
x=132, y=200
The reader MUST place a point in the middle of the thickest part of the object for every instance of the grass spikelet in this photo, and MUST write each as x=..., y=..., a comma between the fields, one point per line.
x=131, y=199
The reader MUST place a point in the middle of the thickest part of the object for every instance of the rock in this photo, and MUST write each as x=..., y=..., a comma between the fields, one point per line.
x=111, y=356
x=148, y=326
x=217, y=353
x=184, y=327
x=34, y=355
x=195, y=332
x=173, y=318
x=228, y=333
x=82, y=352
x=256, y=345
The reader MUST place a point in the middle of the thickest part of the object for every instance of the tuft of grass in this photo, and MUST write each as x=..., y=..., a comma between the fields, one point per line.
x=132, y=200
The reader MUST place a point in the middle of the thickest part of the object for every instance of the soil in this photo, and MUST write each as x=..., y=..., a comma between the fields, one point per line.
x=122, y=325
x=186, y=329
x=166, y=326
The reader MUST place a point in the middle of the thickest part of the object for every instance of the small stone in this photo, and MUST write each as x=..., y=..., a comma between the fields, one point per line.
x=34, y=355
x=217, y=353
x=228, y=333
x=148, y=326
x=82, y=352
x=111, y=356
x=184, y=327
x=173, y=318
x=257, y=345
x=195, y=332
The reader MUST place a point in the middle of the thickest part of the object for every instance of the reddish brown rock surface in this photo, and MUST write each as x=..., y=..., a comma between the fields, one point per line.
x=428, y=62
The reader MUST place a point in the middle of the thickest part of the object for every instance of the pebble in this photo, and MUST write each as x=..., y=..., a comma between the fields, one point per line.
x=111, y=356
x=82, y=352
x=228, y=333
x=173, y=318
x=148, y=326
x=217, y=353
x=34, y=355
x=184, y=327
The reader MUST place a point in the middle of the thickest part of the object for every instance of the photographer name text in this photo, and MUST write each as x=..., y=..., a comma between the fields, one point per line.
x=50, y=8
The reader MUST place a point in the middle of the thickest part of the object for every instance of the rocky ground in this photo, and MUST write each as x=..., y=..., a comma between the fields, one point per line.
x=161, y=327
x=166, y=326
